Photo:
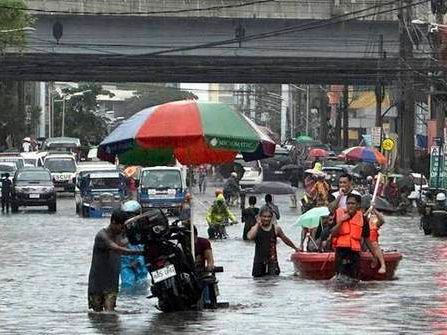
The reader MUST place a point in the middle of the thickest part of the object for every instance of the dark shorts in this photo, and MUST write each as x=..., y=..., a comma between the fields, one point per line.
x=265, y=269
x=97, y=302
x=347, y=262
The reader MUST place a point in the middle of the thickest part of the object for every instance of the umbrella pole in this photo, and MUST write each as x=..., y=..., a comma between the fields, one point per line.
x=376, y=188
x=193, y=245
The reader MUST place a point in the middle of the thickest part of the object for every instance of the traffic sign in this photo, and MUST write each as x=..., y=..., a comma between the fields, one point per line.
x=388, y=144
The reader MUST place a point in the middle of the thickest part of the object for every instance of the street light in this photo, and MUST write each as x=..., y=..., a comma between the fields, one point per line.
x=17, y=29
x=64, y=98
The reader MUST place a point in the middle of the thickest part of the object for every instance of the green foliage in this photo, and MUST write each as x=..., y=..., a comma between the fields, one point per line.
x=12, y=19
x=152, y=95
x=80, y=118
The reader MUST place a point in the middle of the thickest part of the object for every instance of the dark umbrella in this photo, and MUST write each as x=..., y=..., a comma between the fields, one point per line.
x=380, y=204
x=365, y=169
x=290, y=167
x=272, y=187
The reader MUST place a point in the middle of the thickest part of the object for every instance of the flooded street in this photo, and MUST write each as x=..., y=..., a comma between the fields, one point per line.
x=45, y=260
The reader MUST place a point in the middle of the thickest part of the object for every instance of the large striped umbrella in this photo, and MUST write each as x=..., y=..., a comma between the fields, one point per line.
x=364, y=154
x=193, y=132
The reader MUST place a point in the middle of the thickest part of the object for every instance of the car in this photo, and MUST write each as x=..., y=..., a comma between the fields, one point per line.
x=272, y=166
x=253, y=172
x=33, y=187
x=32, y=159
x=14, y=158
x=100, y=192
x=63, y=171
x=63, y=144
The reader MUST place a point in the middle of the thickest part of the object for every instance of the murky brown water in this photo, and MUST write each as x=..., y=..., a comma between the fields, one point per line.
x=45, y=260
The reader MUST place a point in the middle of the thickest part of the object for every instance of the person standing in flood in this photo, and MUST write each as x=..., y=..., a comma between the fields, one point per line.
x=6, y=192
x=265, y=234
x=104, y=273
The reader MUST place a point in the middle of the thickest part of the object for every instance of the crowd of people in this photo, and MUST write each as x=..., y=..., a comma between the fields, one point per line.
x=348, y=229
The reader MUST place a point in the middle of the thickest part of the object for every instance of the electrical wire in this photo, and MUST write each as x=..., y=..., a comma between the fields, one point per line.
x=173, y=11
x=288, y=30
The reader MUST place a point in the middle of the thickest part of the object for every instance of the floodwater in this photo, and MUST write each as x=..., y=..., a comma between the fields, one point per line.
x=45, y=260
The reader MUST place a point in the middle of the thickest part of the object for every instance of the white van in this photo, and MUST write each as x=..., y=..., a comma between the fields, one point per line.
x=63, y=171
x=162, y=187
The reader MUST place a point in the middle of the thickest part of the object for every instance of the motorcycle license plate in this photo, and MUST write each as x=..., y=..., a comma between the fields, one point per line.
x=163, y=273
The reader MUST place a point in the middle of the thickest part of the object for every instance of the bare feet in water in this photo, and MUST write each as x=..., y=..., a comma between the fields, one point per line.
x=382, y=270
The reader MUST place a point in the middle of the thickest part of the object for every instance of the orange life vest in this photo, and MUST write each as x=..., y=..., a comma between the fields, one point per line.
x=350, y=232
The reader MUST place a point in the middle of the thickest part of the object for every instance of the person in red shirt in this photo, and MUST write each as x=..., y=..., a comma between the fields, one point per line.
x=204, y=253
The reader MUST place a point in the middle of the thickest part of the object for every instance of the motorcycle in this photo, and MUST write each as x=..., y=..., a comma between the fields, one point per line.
x=176, y=282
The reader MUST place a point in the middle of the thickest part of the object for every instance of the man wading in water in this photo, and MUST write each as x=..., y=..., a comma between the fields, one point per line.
x=105, y=268
x=264, y=232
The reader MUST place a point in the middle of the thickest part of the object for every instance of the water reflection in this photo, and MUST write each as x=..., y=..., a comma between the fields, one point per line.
x=105, y=323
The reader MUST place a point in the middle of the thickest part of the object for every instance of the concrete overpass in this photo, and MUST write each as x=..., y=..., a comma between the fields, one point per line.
x=187, y=41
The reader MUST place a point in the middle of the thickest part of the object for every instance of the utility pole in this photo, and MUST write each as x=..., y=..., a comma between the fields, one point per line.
x=338, y=124
x=438, y=97
x=323, y=108
x=405, y=104
x=345, y=117
x=379, y=87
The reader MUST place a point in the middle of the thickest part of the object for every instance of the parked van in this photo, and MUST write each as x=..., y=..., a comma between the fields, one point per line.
x=162, y=187
x=63, y=144
x=63, y=171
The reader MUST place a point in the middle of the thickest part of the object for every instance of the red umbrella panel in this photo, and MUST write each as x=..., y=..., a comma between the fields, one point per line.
x=318, y=152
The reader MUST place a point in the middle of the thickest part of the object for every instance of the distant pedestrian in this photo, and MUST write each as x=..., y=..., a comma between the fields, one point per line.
x=202, y=179
x=269, y=203
x=6, y=192
x=103, y=279
x=249, y=216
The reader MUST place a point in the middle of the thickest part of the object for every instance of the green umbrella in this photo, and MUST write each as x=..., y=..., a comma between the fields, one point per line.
x=311, y=219
x=302, y=139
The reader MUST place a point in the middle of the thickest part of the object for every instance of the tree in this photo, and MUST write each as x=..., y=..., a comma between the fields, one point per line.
x=12, y=19
x=12, y=109
x=80, y=118
x=152, y=95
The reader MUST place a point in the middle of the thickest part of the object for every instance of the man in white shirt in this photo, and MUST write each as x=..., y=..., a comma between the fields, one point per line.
x=344, y=188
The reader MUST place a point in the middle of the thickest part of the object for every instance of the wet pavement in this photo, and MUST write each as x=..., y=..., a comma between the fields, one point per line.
x=45, y=260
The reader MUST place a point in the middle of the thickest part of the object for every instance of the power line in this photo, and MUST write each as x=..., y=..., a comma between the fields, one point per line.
x=292, y=29
x=173, y=11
